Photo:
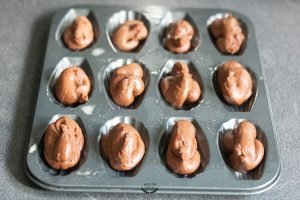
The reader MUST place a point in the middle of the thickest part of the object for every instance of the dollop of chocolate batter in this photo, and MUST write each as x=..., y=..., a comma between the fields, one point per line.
x=178, y=36
x=63, y=143
x=126, y=84
x=235, y=83
x=73, y=86
x=123, y=147
x=128, y=35
x=79, y=34
x=182, y=155
x=179, y=87
x=245, y=151
x=228, y=34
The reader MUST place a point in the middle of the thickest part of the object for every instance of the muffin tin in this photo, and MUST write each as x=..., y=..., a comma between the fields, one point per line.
x=150, y=114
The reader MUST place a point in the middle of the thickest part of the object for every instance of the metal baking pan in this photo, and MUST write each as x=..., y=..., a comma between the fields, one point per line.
x=150, y=114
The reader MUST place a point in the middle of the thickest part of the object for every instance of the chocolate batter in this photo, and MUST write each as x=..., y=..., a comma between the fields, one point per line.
x=126, y=84
x=178, y=36
x=79, y=34
x=245, y=151
x=63, y=143
x=73, y=86
x=179, y=87
x=235, y=83
x=129, y=35
x=123, y=147
x=228, y=34
x=182, y=155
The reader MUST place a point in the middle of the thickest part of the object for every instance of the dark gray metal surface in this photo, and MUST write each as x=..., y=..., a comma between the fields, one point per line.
x=153, y=112
x=24, y=31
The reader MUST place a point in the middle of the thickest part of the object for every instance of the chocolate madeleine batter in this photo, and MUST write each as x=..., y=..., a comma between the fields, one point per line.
x=63, y=143
x=129, y=35
x=126, y=84
x=228, y=34
x=179, y=87
x=79, y=34
x=178, y=36
x=245, y=151
x=123, y=147
x=235, y=83
x=73, y=86
x=182, y=155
